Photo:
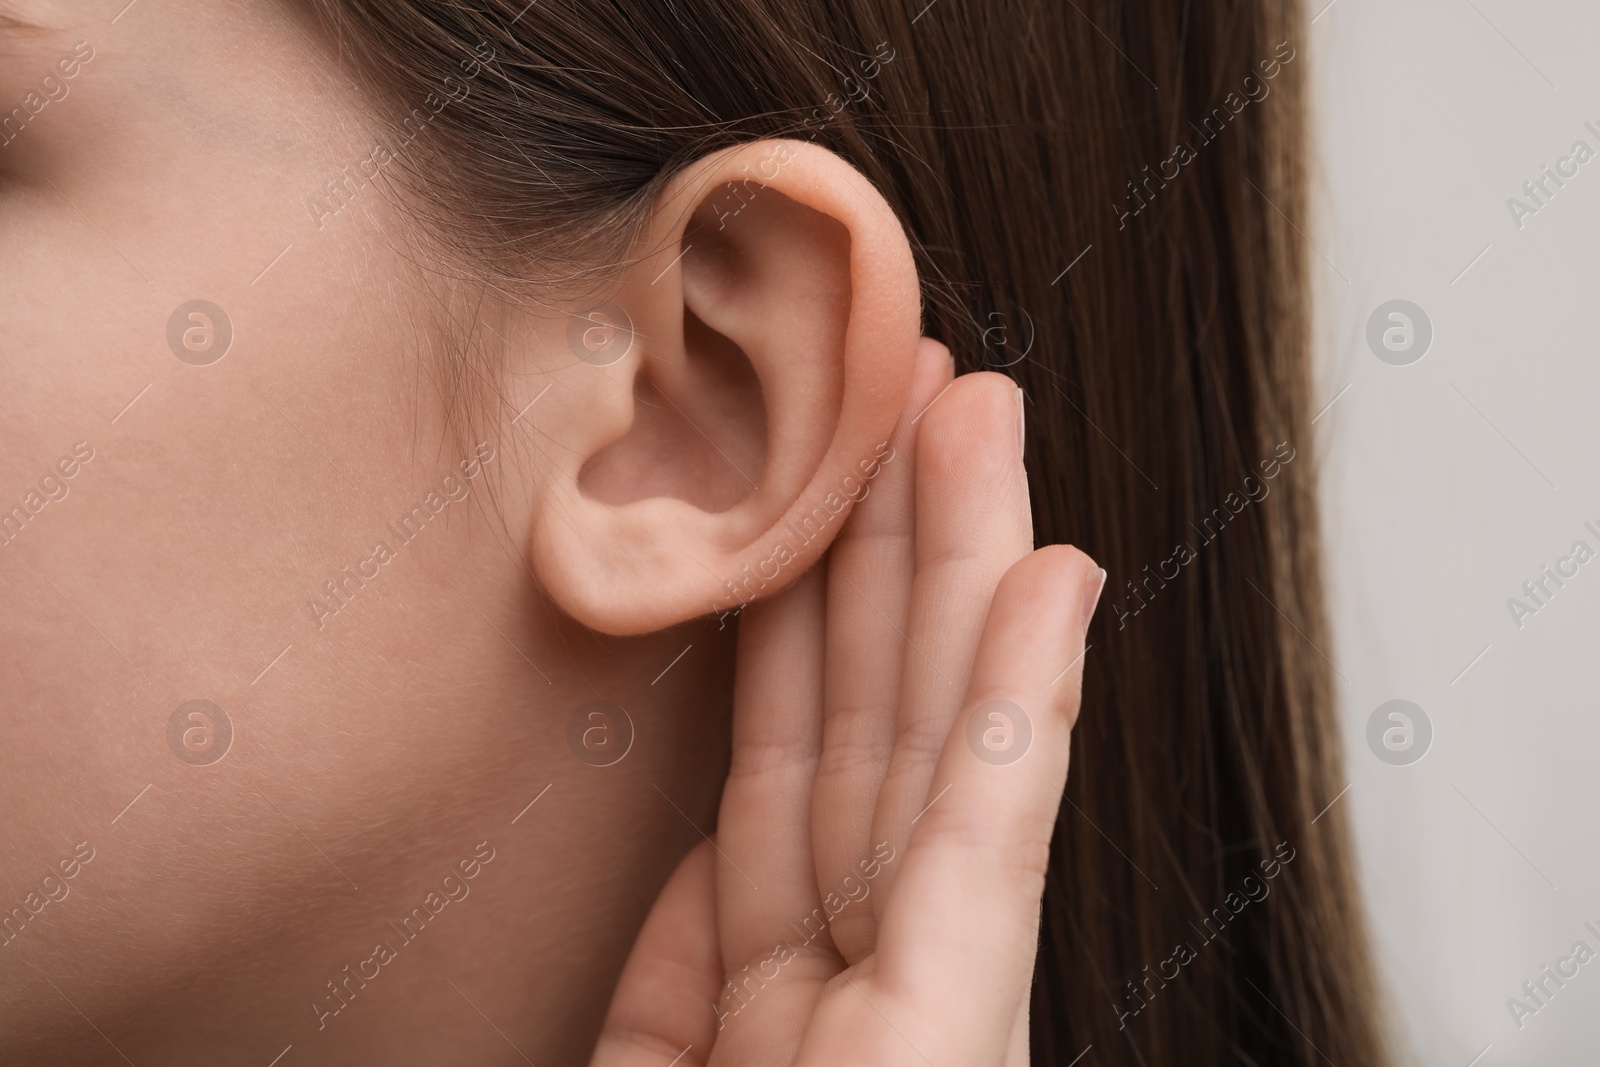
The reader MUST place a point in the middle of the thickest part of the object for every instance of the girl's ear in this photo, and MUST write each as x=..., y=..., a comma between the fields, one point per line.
x=731, y=397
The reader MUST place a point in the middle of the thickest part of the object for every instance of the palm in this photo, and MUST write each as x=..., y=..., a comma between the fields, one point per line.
x=872, y=892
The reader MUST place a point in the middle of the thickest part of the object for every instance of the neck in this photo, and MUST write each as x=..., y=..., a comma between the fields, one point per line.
x=478, y=866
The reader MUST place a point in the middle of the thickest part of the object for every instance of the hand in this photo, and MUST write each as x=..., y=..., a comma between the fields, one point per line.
x=872, y=894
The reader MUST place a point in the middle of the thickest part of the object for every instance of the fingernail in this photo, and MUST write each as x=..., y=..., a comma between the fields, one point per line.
x=1093, y=586
x=1022, y=427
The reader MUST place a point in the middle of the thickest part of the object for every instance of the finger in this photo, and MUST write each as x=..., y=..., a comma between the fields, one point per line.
x=972, y=523
x=659, y=1010
x=766, y=880
x=870, y=571
x=959, y=936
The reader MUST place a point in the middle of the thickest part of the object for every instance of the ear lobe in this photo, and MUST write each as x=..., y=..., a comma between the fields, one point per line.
x=775, y=314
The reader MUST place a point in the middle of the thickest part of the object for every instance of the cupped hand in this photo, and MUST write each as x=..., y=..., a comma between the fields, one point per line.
x=902, y=721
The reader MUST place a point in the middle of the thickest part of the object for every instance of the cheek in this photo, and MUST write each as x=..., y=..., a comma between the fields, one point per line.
x=200, y=470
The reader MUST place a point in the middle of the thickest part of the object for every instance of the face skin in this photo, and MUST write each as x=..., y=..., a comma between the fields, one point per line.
x=376, y=748
x=390, y=740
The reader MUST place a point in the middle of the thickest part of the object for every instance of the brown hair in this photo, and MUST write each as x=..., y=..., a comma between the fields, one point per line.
x=1101, y=196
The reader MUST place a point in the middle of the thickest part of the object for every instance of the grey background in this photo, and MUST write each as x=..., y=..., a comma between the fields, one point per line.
x=1479, y=862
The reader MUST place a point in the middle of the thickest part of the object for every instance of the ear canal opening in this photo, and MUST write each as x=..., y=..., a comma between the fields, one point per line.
x=699, y=431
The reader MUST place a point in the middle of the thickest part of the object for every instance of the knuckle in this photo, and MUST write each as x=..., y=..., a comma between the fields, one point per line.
x=848, y=758
x=758, y=759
